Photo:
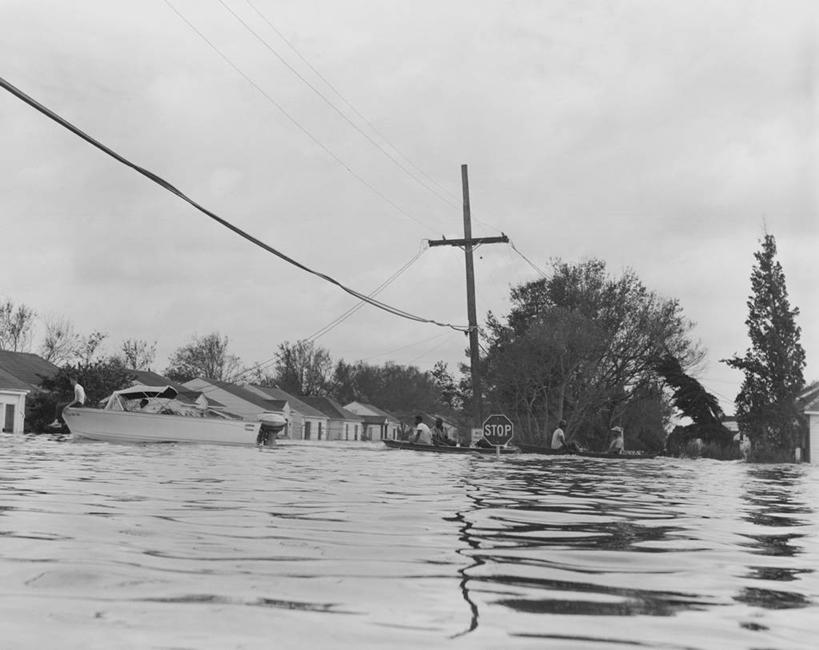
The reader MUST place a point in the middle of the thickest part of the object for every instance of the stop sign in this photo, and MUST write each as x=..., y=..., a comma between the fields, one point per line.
x=497, y=429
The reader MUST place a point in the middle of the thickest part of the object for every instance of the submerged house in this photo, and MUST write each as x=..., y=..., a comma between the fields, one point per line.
x=237, y=400
x=21, y=373
x=305, y=422
x=809, y=404
x=376, y=423
x=341, y=423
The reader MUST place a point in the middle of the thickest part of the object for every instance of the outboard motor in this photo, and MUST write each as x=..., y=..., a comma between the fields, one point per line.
x=272, y=425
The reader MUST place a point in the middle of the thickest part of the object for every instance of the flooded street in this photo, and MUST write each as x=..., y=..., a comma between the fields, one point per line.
x=353, y=545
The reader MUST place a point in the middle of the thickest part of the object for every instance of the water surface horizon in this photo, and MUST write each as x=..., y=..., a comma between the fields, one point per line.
x=342, y=545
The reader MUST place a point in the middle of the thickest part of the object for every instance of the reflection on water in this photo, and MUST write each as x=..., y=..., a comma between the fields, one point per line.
x=173, y=546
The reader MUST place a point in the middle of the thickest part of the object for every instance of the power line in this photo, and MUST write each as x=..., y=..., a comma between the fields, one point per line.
x=403, y=347
x=245, y=235
x=340, y=319
x=335, y=108
x=427, y=351
x=337, y=321
x=293, y=120
x=350, y=104
x=540, y=271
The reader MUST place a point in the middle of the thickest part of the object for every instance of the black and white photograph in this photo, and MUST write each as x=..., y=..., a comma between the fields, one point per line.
x=386, y=324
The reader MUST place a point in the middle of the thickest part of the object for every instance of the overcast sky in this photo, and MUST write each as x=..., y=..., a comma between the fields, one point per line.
x=661, y=136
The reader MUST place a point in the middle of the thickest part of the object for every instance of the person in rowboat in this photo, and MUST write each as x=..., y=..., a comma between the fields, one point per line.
x=558, y=436
x=439, y=437
x=559, y=439
x=617, y=444
x=423, y=436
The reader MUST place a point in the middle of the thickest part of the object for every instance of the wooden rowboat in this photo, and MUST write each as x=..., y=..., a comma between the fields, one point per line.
x=398, y=444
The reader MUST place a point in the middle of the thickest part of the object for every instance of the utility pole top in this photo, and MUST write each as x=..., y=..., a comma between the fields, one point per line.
x=474, y=241
x=468, y=243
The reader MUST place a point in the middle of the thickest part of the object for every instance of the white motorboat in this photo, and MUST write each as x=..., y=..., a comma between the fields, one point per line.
x=153, y=414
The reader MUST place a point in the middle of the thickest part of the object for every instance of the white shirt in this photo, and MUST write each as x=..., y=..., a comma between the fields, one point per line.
x=423, y=436
x=617, y=443
x=558, y=439
x=79, y=394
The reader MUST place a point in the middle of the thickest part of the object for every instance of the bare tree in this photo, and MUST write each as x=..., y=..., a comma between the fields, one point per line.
x=61, y=343
x=138, y=353
x=16, y=322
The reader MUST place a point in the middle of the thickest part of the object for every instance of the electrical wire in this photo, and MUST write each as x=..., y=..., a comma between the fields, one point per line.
x=348, y=103
x=340, y=319
x=294, y=121
x=540, y=271
x=235, y=229
x=404, y=347
x=335, y=108
x=337, y=321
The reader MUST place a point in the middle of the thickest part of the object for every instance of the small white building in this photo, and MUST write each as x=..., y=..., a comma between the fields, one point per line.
x=376, y=424
x=341, y=423
x=305, y=423
x=811, y=411
x=20, y=374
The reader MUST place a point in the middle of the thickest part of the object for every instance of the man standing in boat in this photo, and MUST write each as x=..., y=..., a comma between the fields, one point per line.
x=423, y=436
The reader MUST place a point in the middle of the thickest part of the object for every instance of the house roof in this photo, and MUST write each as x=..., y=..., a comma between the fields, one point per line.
x=10, y=382
x=813, y=406
x=808, y=399
x=185, y=394
x=331, y=408
x=377, y=411
x=296, y=403
x=26, y=367
x=372, y=419
x=266, y=403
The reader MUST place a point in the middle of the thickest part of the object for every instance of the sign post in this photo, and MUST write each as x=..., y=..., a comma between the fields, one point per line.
x=498, y=430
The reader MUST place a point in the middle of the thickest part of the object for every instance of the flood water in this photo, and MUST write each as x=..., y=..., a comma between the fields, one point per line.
x=356, y=546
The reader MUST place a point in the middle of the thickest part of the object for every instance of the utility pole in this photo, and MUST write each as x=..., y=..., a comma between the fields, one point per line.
x=469, y=244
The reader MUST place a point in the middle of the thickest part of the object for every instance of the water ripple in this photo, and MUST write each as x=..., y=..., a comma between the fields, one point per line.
x=210, y=547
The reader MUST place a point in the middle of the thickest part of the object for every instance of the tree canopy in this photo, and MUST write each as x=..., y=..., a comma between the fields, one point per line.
x=773, y=364
x=581, y=346
x=206, y=357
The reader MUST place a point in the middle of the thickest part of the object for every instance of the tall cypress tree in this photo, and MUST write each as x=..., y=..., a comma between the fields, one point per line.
x=773, y=365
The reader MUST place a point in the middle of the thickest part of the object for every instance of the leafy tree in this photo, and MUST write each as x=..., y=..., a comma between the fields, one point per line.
x=16, y=322
x=206, y=357
x=138, y=354
x=99, y=379
x=445, y=382
x=689, y=395
x=393, y=387
x=580, y=346
x=61, y=343
x=343, y=383
x=302, y=368
x=773, y=365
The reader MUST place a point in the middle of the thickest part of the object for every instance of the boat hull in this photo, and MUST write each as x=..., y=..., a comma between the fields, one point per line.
x=131, y=427
x=547, y=451
x=397, y=444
